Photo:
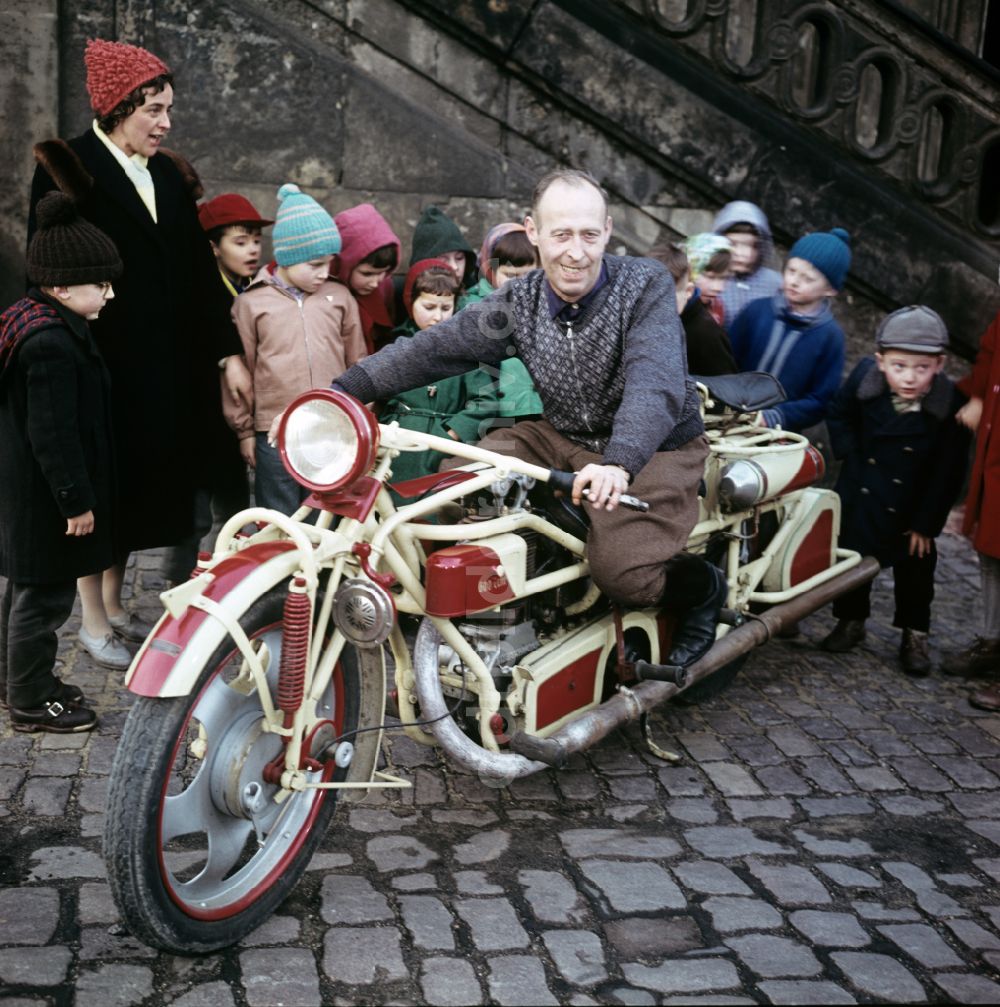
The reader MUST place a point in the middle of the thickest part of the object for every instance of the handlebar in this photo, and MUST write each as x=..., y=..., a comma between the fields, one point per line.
x=564, y=481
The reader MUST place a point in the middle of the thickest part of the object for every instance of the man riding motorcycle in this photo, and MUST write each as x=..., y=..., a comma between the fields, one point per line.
x=600, y=336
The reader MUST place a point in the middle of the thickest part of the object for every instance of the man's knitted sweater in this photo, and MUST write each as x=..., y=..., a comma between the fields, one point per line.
x=613, y=380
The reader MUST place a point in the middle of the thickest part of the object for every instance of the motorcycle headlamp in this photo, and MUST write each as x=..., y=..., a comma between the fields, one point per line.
x=327, y=439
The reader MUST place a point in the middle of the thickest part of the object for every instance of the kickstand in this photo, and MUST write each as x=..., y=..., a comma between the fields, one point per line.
x=660, y=753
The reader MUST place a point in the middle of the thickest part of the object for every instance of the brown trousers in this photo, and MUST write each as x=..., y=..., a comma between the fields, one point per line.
x=627, y=549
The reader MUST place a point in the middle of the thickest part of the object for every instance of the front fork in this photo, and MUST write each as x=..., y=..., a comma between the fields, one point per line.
x=309, y=657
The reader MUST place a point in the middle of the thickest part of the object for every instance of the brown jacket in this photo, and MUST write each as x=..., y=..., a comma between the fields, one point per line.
x=292, y=346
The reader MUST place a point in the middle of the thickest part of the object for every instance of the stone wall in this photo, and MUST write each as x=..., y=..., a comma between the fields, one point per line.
x=464, y=104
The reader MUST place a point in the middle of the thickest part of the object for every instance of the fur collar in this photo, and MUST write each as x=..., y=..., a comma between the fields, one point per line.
x=66, y=169
x=936, y=403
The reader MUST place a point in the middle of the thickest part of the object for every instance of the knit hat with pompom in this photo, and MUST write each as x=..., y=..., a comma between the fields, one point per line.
x=66, y=249
x=829, y=252
x=115, y=70
x=303, y=230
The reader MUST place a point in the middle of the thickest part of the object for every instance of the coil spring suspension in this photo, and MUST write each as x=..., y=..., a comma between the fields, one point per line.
x=296, y=627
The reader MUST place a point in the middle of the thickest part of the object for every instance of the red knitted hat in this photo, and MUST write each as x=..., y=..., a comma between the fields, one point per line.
x=115, y=69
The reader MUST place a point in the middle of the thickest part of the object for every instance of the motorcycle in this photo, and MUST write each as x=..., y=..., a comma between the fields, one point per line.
x=262, y=696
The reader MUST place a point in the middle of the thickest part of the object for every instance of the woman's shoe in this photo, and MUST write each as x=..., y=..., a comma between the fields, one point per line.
x=130, y=627
x=53, y=717
x=107, y=651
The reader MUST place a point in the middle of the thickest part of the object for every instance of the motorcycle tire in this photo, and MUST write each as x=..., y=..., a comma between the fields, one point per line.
x=709, y=688
x=188, y=873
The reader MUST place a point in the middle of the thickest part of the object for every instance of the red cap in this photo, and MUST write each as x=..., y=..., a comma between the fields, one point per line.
x=115, y=70
x=411, y=278
x=227, y=209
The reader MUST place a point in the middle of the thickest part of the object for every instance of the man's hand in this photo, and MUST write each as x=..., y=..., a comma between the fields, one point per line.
x=920, y=545
x=82, y=524
x=970, y=414
x=605, y=485
x=238, y=382
x=248, y=451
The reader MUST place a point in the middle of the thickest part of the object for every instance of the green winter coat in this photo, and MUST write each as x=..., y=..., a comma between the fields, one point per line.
x=517, y=391
x=466, y=403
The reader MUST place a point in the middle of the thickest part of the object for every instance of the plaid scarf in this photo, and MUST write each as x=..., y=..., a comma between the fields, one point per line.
x=21, y=319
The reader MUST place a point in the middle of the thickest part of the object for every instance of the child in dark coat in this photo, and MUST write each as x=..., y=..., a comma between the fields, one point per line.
x=56, y=448
x=708, y=349
x=893, y=423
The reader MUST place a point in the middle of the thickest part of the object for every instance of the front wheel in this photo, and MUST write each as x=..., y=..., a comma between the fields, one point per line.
x=198, y=852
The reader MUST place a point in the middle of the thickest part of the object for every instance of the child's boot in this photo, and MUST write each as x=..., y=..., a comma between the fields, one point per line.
x=913, y=654
x=846, y=635
x=980, y=659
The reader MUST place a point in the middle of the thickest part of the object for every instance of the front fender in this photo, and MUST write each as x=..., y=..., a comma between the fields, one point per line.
x=174, y=655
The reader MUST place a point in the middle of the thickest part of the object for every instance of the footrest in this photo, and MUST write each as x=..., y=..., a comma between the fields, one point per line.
x=674, y=673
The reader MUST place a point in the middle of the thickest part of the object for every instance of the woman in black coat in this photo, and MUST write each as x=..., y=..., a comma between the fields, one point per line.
x=168, y=330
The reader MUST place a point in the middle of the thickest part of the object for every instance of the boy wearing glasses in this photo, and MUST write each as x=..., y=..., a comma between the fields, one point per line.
x=56, y=448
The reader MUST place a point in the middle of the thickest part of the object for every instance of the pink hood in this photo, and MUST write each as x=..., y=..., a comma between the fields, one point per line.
x=362, y=230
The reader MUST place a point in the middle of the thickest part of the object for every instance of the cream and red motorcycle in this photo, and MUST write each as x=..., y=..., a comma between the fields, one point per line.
x=262, y=692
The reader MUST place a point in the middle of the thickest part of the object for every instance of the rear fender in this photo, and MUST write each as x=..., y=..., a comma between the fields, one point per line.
x=174, y=655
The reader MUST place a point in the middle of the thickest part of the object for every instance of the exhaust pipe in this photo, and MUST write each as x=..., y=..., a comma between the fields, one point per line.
x=502, y=768
x=631, y=704
x=531, y=753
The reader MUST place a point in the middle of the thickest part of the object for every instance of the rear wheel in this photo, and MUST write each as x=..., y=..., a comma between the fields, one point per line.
x=198, y=852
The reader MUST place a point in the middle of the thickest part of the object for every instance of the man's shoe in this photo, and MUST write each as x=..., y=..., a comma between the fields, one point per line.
x=987, y=699
x=913, y=654
x=54, y=718
x=846, y=635
x=130, y=627
x=68, y=695
x=980, y=659
x=107, y=651
x=695, y=632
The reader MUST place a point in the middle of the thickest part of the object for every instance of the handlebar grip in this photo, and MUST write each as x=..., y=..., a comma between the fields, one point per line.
x=564, y=481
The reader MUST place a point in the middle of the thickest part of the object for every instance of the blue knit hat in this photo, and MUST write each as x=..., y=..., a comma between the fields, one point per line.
x=828, y=251
x=303, y=230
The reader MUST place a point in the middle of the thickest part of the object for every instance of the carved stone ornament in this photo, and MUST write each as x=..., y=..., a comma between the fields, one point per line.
x=782, y=41
x=908, y=126
x=845, y=85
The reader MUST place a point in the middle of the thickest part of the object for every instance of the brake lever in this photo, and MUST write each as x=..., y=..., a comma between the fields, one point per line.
x=627, y=500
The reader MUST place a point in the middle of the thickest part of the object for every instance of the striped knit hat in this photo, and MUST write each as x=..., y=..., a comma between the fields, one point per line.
x=303, y=230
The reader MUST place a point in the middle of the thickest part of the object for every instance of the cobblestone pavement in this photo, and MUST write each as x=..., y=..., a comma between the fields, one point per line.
x=831, y=836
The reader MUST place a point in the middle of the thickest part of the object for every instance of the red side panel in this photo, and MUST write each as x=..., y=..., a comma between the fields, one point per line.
x=462, y=579
x=169, y=641
x=810, y=471
x=813, y=554
x=568, y=690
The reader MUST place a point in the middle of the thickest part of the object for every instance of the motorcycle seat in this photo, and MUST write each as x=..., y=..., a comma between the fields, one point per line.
x=743, y=393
